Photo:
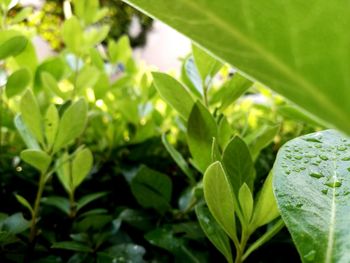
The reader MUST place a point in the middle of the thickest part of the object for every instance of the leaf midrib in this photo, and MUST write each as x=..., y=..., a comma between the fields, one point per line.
x=273, y=60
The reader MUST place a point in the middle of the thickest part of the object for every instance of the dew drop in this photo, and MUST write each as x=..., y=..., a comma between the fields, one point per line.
x=316, y=175
x=298, y=157
x=299, y=205
x=310, y=256
x=324, y=191
x=312, y=140
x=341, y=148
x=332, y=182
x=324, y=157
x=347, y=158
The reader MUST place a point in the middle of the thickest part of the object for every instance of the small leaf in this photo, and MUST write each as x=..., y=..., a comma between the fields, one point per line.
x=21, y=15
x=31, y=115
x=152, y=189
x=15, y=224
x=24, y=202
x=50, y=83
x=26, y=135
x=214, y=232
x=72, y=124
x=215, y=152
x=51, y=125
x=206, y=64
x=87, y=199
x=260, y=139
x=201, y=129
x=37, y=158
x=177, y=157
x=238, y=164
x=63, y=171
x=246, y=202
x=174, y=93
x=219, y=197
x=87, y=78
x=73, y=245
x=119, y=51
x=224, y=132
x=59, y=202
x=266, y=207
x=17, y=82
x=72, y=34
x=12, y=46
x=81, y=166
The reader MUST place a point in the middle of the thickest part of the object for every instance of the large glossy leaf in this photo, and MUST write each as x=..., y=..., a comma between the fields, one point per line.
x=312, y=187
x=298, y=48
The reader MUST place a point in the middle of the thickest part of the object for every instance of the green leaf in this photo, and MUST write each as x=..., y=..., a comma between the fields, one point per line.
x=87, y=78
x=265, y=205
x=37, y=158
x=95, y=35
x=59, y=202
x=72, y=124
x=174, y=93
x=73, y=245
x=231, y=91
x=51, y=123
x=152, y=189
x=269, y=43
x=25, y=133
x=311, y=184
x=13, y=46
x=215, y=151
x=81, y=166
x=87, y=199
x=260, y=139
x=31, y=115
x=201, y=129
x=17, y=82
x=246, y=202
x=72, y=34
x=50, y=83
x=177, y=157
x=220, y=198
x=24, y=202
x=119, y=51
x=15, y=224
x=191, y=78
x=225, y=132
x=207, y=65
x=238, y=164
x=63, y=171
x=214, y=232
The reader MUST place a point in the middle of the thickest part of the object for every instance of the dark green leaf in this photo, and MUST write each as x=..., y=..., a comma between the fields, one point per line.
x=73, y=245
x=87, y=199
x=59, y=202
x=214, y=232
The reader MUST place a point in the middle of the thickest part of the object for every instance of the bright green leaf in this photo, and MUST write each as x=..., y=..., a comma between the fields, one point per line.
x=120, y=51
x=24, y=202
x=31, y=115
x=219, y=197
x=26, y=135
x=50, y=83
x=51, y=123
x=63, y=171
x=17, y=82
x=238, y=164
x=81, y=166
x=37, y=158
x=246, y=202
x=174, y=93
x=201, y=129
x=266, y=207
x=72, y=34
x=12, y=46
x=72, y=124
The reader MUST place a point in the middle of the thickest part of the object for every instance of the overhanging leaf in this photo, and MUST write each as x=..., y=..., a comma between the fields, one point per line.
x=36, y=158
x=290, y=46
x=312, y=187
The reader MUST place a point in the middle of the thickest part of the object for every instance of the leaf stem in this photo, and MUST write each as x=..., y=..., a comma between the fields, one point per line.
x=33, y=228
x=264, y=238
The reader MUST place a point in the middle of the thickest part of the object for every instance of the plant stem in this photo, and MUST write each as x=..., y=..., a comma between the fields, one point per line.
x=264, y=238
x=33, y=229
x=1, y=117
x=72, y=205
x=239, y=251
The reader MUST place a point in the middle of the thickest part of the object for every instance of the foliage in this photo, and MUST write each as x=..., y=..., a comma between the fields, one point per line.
x=110, y=162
